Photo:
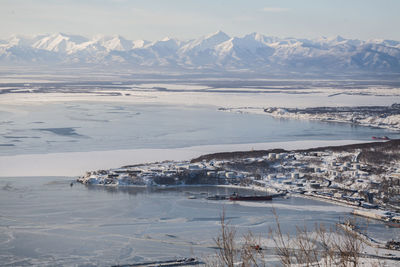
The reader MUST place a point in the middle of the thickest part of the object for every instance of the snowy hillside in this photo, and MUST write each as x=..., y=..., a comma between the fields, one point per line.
x=216, y=51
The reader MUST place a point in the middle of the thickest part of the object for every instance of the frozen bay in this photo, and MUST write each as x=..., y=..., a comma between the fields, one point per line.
x=101, y=126
x=44, y=221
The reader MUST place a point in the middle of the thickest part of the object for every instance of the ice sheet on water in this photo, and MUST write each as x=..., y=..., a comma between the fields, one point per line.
x=290, y=206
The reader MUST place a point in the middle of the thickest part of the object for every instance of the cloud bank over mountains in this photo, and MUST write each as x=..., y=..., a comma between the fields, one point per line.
x=253, y=52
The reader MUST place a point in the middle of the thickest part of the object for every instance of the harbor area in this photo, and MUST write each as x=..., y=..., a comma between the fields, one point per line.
x=364, y=176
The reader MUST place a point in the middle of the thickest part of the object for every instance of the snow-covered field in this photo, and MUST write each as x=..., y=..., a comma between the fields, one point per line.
x=194, y=94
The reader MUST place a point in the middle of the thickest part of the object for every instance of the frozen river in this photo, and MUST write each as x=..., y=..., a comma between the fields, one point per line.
x=45, y=221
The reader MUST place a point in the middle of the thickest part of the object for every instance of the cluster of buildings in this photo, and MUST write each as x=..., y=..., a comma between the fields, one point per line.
x=335, y=176
x=373, y=116
x=168, y=173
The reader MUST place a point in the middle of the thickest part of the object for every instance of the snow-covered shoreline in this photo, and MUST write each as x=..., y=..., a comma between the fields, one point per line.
x=390, y=122
x=76, y=163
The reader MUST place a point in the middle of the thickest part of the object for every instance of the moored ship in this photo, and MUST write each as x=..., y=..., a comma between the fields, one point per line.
x=237, y=197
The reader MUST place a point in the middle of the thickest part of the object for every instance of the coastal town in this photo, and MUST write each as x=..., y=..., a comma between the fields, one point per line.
x=385, y=117
x=364, y=176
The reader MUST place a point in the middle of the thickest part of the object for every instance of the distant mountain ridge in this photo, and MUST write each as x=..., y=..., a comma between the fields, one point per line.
x=218, y=51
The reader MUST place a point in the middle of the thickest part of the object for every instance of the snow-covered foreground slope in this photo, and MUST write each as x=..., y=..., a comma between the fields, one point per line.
x=219, y=51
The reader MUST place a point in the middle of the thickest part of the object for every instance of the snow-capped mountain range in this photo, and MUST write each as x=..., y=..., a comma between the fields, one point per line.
x=217, y=51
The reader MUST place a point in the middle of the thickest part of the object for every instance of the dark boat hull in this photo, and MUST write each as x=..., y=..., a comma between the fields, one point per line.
x=250, y=198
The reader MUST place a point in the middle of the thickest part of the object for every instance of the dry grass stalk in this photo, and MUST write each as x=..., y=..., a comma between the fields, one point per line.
x=320, y=247
x=227, y=253
x=251, y=251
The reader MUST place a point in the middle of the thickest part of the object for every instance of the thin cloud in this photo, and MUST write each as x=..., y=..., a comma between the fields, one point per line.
x=275, y=9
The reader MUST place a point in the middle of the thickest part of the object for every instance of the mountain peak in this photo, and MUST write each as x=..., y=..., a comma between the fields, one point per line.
x=253, y=51
x=205, y=42
x=219, y=34
x=117, y=43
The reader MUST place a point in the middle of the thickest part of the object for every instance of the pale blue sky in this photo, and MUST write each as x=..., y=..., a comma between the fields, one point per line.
x=185, y=19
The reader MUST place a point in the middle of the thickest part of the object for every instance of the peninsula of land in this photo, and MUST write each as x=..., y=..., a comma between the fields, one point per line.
x=365, y=176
